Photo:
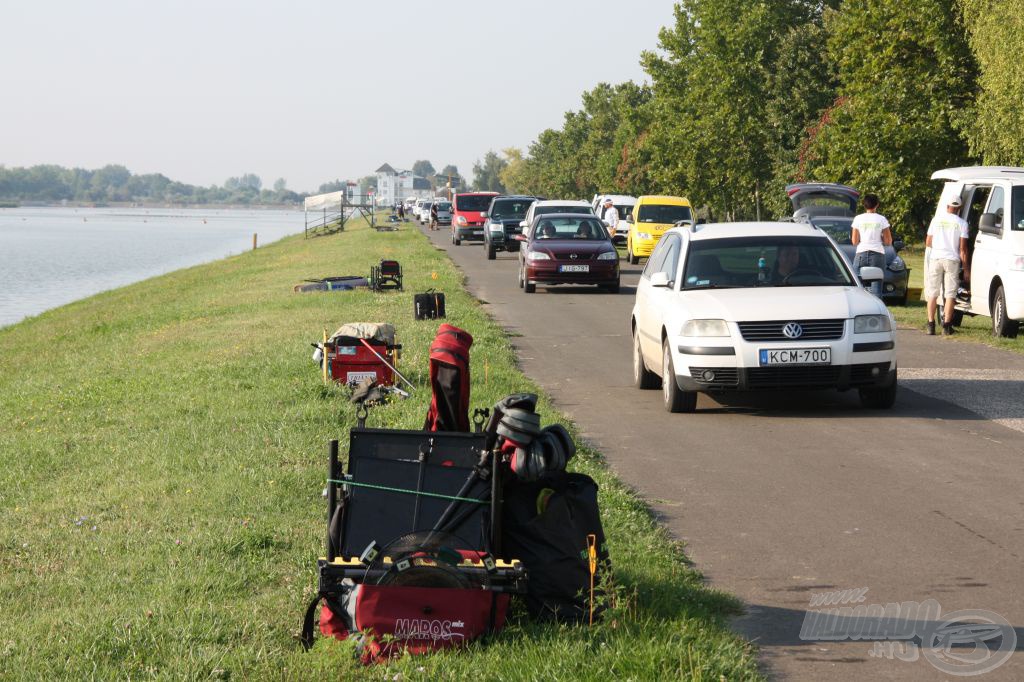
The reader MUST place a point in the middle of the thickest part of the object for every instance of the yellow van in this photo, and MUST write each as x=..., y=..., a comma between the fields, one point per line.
x=649, y=219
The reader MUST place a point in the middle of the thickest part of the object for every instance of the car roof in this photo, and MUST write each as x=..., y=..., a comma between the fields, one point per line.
x=563, y=202
x=515, y=197
x=964, y=173
x=711, y=231
x=663, y=199
x=477, y=194
x=618, y=198
x=565, y=214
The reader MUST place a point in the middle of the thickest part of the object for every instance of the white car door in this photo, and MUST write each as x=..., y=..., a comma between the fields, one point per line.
x=642, y=308
x=665, y=260
x=988, y=246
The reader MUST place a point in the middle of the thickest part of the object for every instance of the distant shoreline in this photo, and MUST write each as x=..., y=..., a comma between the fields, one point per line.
x=145, y=204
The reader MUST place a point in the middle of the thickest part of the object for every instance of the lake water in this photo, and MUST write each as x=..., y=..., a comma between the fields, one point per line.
x=52, y=256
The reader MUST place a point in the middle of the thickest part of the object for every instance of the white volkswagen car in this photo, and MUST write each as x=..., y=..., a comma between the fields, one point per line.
x=750, y=306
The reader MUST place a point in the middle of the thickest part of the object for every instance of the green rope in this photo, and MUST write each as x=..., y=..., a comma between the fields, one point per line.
x=408, y=492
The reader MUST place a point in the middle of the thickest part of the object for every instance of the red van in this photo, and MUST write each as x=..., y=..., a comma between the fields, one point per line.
x=468, y=209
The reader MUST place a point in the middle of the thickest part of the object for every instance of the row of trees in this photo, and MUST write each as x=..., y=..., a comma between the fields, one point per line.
x=116, y=183
x=745, y=97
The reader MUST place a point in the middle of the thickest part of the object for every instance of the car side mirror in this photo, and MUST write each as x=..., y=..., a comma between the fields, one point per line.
x=898, y=244
x=870, y=274
x=660, y=279
x=989, y=224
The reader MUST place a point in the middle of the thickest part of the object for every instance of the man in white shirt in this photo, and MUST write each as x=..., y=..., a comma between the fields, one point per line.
x=947, y=239
x=610, y=216
x=870, y=232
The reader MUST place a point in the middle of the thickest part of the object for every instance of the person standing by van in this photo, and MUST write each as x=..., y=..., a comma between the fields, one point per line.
x=611, y=217
x=871, y=233
x=947, y=239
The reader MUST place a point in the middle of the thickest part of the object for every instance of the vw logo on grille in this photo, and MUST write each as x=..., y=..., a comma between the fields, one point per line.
x=573, y=256
x=793, y=330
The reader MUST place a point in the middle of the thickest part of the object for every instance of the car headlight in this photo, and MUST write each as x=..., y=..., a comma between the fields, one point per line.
x=461, y=220
x=897, y=265
x=608, y=255
x=705, y=328
x=537, y=255
x=643, y=235
x=870, y=324
x=1017, y=263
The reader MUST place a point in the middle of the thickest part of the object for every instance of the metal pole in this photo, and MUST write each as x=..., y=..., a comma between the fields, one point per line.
x=332, y=493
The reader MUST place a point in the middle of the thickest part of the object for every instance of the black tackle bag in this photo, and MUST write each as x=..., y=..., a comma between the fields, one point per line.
x=545, y=525
x=428, y=305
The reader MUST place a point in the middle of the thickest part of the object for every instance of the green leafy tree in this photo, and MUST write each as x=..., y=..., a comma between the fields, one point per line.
x=487, y=173
x=423, y=168
x=994, y=127
x=280, y=185
x=905, y=75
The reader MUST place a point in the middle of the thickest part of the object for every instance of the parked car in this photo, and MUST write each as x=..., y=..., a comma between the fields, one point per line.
x=759, y=306
x=444, y=212
x=567, y=248
x=549, y=206
x=503, y=218
x=831, y=208
x=422, y=210
x=623, y=205
x=993, y=206
x=468, y=209
x=649, y=219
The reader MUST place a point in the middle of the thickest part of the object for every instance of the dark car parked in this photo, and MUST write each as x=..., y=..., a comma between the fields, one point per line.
x=831, y=208
x=567, y=248
x=503, y=218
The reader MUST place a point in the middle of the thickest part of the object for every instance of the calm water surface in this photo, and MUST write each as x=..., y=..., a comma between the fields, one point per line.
x=52, y=256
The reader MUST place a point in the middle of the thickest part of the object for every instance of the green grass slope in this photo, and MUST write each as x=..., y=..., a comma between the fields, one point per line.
x=163, y=453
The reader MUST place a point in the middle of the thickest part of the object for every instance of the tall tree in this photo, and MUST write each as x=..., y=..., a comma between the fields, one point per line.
x=423, y=168
x=905, y=73
x=995, y=126
x=487, y=173
x=280, y=185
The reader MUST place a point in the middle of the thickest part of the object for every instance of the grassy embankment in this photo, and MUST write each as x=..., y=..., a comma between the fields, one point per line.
x=164, y=449
x=914, y=315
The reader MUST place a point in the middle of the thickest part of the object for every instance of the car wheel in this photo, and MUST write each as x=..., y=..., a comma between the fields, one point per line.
x=879, y=398
x=490, y=251
x=675, y=399
x=528, y=286
x=614, y=287
x=455, y=238
x=1001, y=325
x=520, y=277
x=633, y=260
x=903, y=299
x=643, y=378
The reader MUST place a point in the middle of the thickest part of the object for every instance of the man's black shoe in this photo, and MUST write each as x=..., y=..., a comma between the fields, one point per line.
x=931, y=329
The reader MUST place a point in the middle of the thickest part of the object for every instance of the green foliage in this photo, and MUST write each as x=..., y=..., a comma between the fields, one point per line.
x=423, y=168
x=905, y=73
x=995, y=126
x=487, y=173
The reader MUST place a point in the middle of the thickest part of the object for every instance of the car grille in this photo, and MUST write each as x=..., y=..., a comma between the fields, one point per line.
x=580, y=257
x=792, y=377
x=813, y=330
x=724, y=376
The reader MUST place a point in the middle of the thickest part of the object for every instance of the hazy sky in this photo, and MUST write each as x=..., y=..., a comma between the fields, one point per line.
x=308, y=91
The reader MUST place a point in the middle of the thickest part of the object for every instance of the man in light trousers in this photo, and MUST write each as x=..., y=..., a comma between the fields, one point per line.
x=947, y=240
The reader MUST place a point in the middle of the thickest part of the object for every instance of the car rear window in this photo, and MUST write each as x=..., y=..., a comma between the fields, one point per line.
x=755, y=261
x=663, y=213
x=838, y=228
x=571, y=228
x=473, y=202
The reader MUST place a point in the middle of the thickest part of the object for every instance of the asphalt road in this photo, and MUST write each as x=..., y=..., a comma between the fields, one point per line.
x=781, y=497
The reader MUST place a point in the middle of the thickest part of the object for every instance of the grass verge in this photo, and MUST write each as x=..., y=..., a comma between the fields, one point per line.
x=164, y=451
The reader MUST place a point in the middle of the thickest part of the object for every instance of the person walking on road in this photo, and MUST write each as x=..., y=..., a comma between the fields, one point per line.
x=870, y=232
x=401, y=211
x=947, y=240
x=611, y=217
x=433, y=216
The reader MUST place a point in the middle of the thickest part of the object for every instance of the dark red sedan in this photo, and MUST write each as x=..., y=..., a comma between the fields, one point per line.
x=568, y=248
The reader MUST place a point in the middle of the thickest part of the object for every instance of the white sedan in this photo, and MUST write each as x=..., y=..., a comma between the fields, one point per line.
x=750, y=306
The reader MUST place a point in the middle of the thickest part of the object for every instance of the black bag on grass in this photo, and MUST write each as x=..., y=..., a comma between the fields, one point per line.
x=428, y=305
x=546, y=524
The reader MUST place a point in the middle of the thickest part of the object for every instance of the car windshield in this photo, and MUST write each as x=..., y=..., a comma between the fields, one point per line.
x=663, y=214
x=545, y=210
x=443, y=206
x=624, y=211
x=741, y=262
x=837, y=228
x=571, y=228
x=474, y=202
x=510, y=209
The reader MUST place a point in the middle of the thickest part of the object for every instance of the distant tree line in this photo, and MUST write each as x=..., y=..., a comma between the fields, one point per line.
x=745, y=97
x=116, y=183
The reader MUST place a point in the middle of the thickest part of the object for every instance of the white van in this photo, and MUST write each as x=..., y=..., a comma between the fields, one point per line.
x=993, y=206
x=623, y=206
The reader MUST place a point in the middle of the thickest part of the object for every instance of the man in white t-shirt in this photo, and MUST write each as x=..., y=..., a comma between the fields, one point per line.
x=870, y=232
x=610, y=216
x=947, y=239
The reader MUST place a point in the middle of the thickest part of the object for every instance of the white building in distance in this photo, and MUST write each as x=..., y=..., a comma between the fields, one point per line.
x=395, y=185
